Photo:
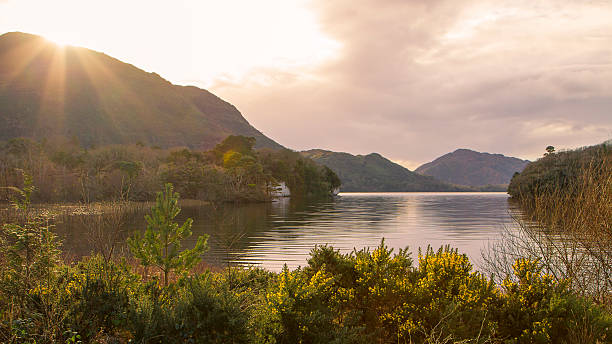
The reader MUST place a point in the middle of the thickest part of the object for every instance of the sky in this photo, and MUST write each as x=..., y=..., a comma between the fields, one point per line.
x=409, y=79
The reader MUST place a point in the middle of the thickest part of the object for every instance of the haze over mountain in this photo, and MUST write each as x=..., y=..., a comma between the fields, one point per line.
x=374, y=173
x=50, y=91
x=468, y=167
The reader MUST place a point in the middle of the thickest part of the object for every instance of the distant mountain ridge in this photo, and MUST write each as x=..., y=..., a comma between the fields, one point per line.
x=374, y=173
x=471, y=168
x=48, y=91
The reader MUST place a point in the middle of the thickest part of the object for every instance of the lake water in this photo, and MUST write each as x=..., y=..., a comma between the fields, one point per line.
x=283, y=232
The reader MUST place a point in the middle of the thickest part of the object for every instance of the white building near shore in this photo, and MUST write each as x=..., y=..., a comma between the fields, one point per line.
x=280, y=190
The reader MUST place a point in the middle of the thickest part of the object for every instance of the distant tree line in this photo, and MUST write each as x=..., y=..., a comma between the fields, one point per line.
x=233, y=171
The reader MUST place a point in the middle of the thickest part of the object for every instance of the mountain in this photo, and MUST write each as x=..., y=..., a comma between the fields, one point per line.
x=467, y=167
x=374, y=173
x=49, y=91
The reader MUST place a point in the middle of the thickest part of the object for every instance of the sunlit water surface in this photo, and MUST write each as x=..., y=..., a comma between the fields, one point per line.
x=285, y=231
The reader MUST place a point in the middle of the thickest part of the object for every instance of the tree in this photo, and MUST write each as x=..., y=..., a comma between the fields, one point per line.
x=131, y=170
x=332, y=178
x=549, y=150
x=237, y=143
x=161, y=243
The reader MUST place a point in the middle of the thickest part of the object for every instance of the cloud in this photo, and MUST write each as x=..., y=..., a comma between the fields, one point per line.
x=417, y=79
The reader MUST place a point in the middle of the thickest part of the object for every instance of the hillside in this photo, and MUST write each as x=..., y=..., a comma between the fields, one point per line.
x=49, y=91
x=467, y=167
x=569, y=172
x=374, y=173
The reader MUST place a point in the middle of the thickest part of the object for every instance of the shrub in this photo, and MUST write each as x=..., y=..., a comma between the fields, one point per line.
x=377, y=296
x=30, y=306
x=535, y=308
x=98, y=295
x=194, y=310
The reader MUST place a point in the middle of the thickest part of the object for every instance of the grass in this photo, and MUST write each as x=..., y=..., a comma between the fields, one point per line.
x=567, y=226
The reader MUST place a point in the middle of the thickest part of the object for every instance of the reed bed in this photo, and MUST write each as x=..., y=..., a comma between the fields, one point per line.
x=568, y=229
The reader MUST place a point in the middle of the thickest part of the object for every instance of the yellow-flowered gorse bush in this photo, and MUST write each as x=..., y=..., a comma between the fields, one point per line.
x=535, y=308
x=380, y=297
x=99, y=296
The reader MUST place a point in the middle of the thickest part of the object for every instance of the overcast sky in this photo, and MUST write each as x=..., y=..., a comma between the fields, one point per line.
x=411, y=80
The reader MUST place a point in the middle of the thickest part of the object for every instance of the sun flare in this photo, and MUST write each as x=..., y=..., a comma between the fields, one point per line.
x=227, y=40
x=60, y=39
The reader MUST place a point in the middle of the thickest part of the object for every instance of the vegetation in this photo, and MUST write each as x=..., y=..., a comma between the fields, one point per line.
x=361, y=297
x=375, y=296
x=565, y=222
x=232, y=171
x=561, y=171
x=161, y=242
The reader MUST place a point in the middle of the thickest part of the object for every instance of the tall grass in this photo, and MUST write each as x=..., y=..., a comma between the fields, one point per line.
x=568, y=228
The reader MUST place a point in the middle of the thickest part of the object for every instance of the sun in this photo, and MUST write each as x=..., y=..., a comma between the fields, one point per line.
x=62, y=39
x=188, y=41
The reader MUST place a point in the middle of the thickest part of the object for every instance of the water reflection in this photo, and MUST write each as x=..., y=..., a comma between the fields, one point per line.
x=284, y=232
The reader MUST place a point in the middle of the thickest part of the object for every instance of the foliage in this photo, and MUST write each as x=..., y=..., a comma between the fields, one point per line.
x=234, y=144
x=303, y=176
x=362, y=297
x=537, y=309
x=376, y=296
x=565, y=222
x=29, y=257
x=160, y=245
x=195, y=310
x=561, y=170
x=99, y=296
x=379, y=297
x=232, y=171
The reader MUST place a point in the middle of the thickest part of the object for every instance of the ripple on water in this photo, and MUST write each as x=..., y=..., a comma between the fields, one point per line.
x=284, y=232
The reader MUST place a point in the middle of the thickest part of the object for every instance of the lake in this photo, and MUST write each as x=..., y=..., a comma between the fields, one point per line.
x=283, y=232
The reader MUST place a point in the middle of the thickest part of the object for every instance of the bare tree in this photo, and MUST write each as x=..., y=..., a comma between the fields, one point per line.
x=569, y=230
x=105, y=228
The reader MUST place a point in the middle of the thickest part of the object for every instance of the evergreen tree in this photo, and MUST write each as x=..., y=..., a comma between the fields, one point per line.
x=160, y=245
